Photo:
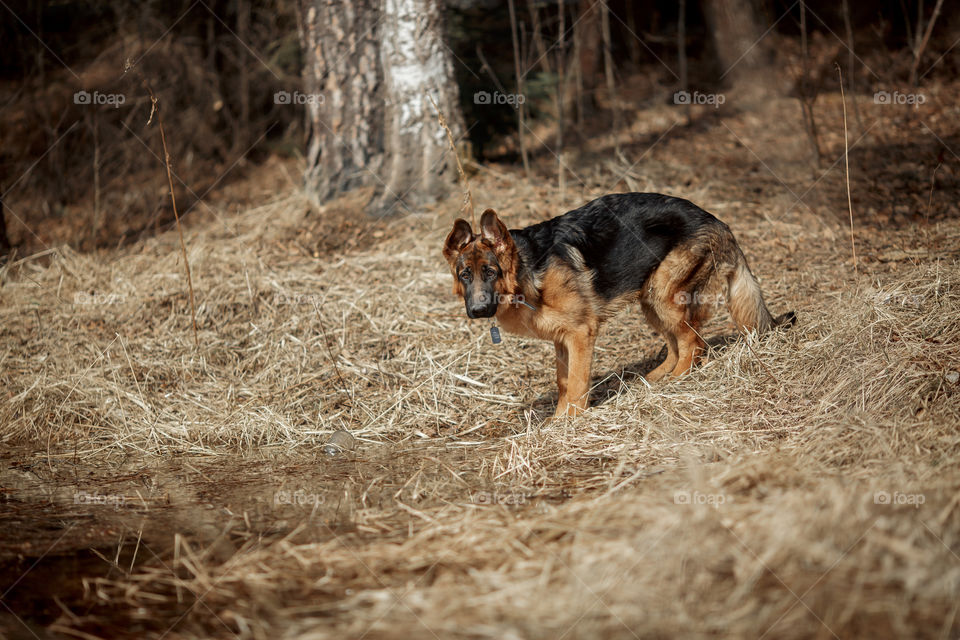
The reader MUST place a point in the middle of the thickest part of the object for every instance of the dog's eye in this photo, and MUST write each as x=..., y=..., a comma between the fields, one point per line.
x=466, y=276
x=489, y=273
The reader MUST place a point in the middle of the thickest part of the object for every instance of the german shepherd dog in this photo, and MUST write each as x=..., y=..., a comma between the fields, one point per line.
x=561, y=279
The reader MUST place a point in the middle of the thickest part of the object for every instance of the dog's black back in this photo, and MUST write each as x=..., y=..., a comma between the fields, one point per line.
x=621, y=237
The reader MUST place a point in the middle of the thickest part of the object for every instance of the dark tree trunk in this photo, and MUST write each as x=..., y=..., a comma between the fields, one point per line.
x=586, y=33
x=4, y=241
x=739, y=38
x=371, y=65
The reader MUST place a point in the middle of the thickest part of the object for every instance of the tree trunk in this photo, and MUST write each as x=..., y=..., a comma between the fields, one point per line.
x=586, y=33
x=241, y=141
x=4, y=241
x=342, y=81
x=369, y=65
x=739, y=39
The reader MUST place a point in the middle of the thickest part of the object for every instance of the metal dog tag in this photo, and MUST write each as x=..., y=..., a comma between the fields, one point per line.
x=495, y=334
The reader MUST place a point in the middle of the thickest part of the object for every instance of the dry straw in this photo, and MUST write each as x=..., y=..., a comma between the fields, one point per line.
x=731, y=502
x=776, y=500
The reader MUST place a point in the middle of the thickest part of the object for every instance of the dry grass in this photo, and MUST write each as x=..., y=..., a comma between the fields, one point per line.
x=745, y=500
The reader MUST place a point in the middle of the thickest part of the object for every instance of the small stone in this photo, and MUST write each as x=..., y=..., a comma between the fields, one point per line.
x=952, y=377
x=339, y=442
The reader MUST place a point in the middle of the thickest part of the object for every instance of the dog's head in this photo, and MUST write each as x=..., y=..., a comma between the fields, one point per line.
x=484, y=265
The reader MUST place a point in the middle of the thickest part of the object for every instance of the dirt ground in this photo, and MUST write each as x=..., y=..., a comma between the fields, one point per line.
x=800, y=484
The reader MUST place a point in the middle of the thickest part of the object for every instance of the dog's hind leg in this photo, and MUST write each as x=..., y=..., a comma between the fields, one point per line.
x=690, y=346
x=675, y=303
x=681, y=321
x=670, y=362
x=693, y=306
x=563, y=369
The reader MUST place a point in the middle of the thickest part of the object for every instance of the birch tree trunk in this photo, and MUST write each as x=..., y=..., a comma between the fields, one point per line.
x=371, y=65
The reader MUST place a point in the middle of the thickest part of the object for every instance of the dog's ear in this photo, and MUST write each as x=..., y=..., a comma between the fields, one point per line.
x=493, y=231
x=459, y=237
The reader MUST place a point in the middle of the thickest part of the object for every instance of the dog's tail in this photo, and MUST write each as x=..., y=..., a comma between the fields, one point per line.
x=746, y=305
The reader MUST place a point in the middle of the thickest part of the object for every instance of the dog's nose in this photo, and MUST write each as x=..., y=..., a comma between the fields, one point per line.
x=480, y=310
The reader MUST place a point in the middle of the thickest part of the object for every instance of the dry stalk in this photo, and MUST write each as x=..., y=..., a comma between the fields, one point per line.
x=807, y=95
x=467, y=195
x=933, y=183
x=538, y=42
x=846, y=161
x=155, y=110
x=326, y=344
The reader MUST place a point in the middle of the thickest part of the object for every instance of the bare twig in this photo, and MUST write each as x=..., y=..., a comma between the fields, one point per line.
x=155, y=111
x=807, y=95
x=485, y=66
x=326, y=344
x=467, y=195
x=538, y=42
x=846, y=160
x=919, y=30
x=763, y=365
x=933, y=182
x=918, y=51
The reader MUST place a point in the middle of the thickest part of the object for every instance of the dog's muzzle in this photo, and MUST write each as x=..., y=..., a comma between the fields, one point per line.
x=483, y=305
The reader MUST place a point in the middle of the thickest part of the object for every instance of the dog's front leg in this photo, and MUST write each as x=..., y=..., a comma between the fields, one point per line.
x=579, y=348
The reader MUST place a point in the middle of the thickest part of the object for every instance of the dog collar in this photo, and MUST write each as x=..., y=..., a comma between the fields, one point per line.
x=495, y=330
x=513, y=300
